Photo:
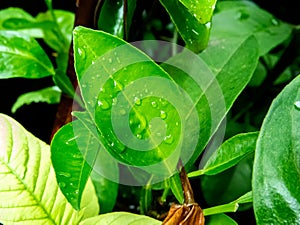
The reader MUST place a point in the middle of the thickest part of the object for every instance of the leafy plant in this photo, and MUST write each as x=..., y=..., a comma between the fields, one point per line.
x=144, y=112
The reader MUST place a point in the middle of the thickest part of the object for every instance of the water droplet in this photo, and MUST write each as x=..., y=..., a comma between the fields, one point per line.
x=163, y=114
x=83, y=85
x=77, y=156
x=137, y=101
x=81, y=52
x=154, y=104
x=114, y=101
x=275, y=22
x=103, y=104
x=64, y=174
x=62, y=184
x=139, y=136
x=93, y=62
x=176, y=124
x=76, y=192
x=118, y=60
x=169, y=139
x=297, y=105
x=110, y=60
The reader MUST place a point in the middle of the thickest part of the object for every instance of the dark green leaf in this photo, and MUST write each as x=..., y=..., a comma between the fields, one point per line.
x=176, y=187
x=22, y=56
x=202, y=10
x=229, y=154
x=220, y=219
x=276, y=167
x=226, y=66
x=194, y=34
x=120, y=218
x=244, y=18
x=145, y=199
x=70, y=148
x=50, y=95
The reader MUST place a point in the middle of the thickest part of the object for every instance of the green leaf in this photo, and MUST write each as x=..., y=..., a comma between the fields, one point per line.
x=243, y=19
x=202, y=10
x=22, y=56
x=194, y=34
x=176, y=187
x=29, y=193
x=229, y=154
x=15, y=14
x=120, y=218
x=276, y=172
x=70, y=146
x=109, y=64
x=220, y=219
x=229, y=207
x=50, y=95
x=111, y=18
x=226, y=67
x=146, y=199
x=59, y=37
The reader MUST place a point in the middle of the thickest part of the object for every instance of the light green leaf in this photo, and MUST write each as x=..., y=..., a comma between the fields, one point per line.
x=202, y=10
x=229, y=154
x=176, y=187
x=50, y=95
x=15, y=14
x=220, y=219
x=243, y=19
x=22, y=56
x=276, y=166
x=29, y=193
x=120, y=218
x=194, y=34
x=70, y=146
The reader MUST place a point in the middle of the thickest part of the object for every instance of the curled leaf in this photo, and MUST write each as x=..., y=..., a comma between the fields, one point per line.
x=185, y=214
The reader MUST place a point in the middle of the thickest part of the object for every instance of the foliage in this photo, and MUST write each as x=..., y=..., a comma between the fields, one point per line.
x=148, y=107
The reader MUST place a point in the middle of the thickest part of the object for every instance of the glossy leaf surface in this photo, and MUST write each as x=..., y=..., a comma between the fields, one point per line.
x=70, y=146
x=22, y=56
x=50, y=95
x=225, y=66
x=120, y=218
x=106, y=78
x=202, y=10
x=244, y=18
x=276, y=166
x=229, y=154
x=194, y=34
x=29, y=192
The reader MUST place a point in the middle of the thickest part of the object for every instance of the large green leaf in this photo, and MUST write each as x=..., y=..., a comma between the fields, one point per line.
x=214, y=81
x=244, y=18
x=51, y=95
x=194, y=33
x=111, y=72
x=70, y=146
x=120, y=218
x=277, y=164
x=229, y=154
x=22, y=56
x=29, y=193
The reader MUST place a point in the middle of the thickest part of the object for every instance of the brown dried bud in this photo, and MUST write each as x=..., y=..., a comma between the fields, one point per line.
x=186, y=214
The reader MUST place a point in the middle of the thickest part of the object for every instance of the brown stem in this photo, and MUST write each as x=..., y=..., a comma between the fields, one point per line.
x=84, y=16
x=187, y=189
